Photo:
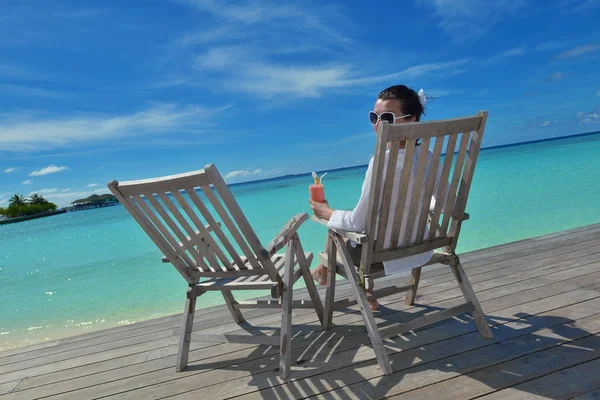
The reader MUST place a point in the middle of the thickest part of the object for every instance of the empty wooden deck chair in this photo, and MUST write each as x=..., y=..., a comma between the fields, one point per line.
x=407, y=222
x=206, y=237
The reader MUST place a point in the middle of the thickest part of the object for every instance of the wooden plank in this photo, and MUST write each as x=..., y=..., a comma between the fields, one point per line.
x=285, y=336
x=418, y=367
x=205, y=236
x=431, y=184
x=592, y=395
x=233, y=230
x=510, y=373
x=417, y=190
x=555, y=240
x=197, y=248
x=248, y=339
x=197, y=263
x=441, y=194
x=456, y=176
x=169, y=183
x=100, y=349
x=399, y=207
x=388, y=189
x=241, y=221
x=374, y=196
x=565, y=383
x=8, y=387
x=216, y=227
x=367, y=314
x=442, y=337
x=465, y=184
x=119, y=374
x=421, y=130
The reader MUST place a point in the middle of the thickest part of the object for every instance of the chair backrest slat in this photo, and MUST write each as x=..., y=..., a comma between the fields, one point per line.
x=200, y=247
x=242, y=222
x=467, y=178
x=183, y=267
x=417, y=201
x=441, y=192
x=392, y=160
x=199, y=263
x=240, y=265
x=417, y=189
x=224, y=215
x=432, y=180
x=400, y=204
x=458, y=169
x=173, y=212
x=204, y=235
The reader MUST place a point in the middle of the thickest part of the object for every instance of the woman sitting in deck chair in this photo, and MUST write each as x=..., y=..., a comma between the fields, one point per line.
x=396, y=104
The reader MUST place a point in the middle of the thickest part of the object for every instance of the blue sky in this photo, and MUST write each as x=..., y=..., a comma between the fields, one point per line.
x=92, y=91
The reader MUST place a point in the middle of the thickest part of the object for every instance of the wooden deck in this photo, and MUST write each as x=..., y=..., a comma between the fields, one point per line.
x=542, y=296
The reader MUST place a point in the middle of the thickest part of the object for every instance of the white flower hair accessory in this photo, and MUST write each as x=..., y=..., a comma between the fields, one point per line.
x=422, y=98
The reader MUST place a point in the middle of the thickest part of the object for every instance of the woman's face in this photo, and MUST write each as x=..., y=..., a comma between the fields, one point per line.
x=390, y=105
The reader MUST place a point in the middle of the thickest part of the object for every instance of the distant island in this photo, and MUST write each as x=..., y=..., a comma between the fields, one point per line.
x=22, y=209
x=36, y=206
x=94, y=201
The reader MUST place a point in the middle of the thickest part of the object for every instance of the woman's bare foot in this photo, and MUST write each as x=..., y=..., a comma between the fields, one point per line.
x=319, y=274
x=374, y=305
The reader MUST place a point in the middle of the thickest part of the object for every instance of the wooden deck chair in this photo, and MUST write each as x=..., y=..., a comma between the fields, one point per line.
x=411, y=224
x=201, y=245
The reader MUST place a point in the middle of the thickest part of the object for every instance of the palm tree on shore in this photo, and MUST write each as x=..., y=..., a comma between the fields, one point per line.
x=37, y=199
x=17, y=200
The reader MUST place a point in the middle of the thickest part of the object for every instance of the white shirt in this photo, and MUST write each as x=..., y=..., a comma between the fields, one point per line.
x=356, y=220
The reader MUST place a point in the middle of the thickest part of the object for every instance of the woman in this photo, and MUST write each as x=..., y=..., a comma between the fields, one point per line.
x=396, y=104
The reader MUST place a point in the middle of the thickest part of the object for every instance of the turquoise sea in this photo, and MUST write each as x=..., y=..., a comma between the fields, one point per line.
x=89, y=270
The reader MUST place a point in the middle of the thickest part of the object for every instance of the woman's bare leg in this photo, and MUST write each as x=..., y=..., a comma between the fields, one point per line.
x=319, y=274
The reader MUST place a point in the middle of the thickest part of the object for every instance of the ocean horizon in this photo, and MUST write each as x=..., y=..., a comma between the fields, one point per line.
x=88, y=270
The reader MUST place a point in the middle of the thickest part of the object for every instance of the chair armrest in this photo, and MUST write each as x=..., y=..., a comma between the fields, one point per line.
x=354, y=236
x=286, y=233
x=207, y=227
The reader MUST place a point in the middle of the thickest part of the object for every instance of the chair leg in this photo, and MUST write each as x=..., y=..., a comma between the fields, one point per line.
x=371, y=324
x=308, y=280
x=469, y=295
x=285, y=335
x=186, y=332
x=331, y=275
x=414, y=281
x=235, y=312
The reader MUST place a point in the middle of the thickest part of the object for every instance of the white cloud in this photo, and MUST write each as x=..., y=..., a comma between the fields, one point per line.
x=589, y=118
x=242, y=173
x=50, y=169
x=471, y=19
x=514, y=52
x=91, y=185
x=24, y=132
x=545, y=123
x=598, y=93
x=579, y=51
x=265, y=78
x=9, y=170
x=27, y=182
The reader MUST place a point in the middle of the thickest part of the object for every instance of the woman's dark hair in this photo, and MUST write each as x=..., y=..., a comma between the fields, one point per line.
x=408, y=98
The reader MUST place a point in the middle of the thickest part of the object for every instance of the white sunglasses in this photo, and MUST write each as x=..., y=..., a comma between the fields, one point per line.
x=387, y=116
